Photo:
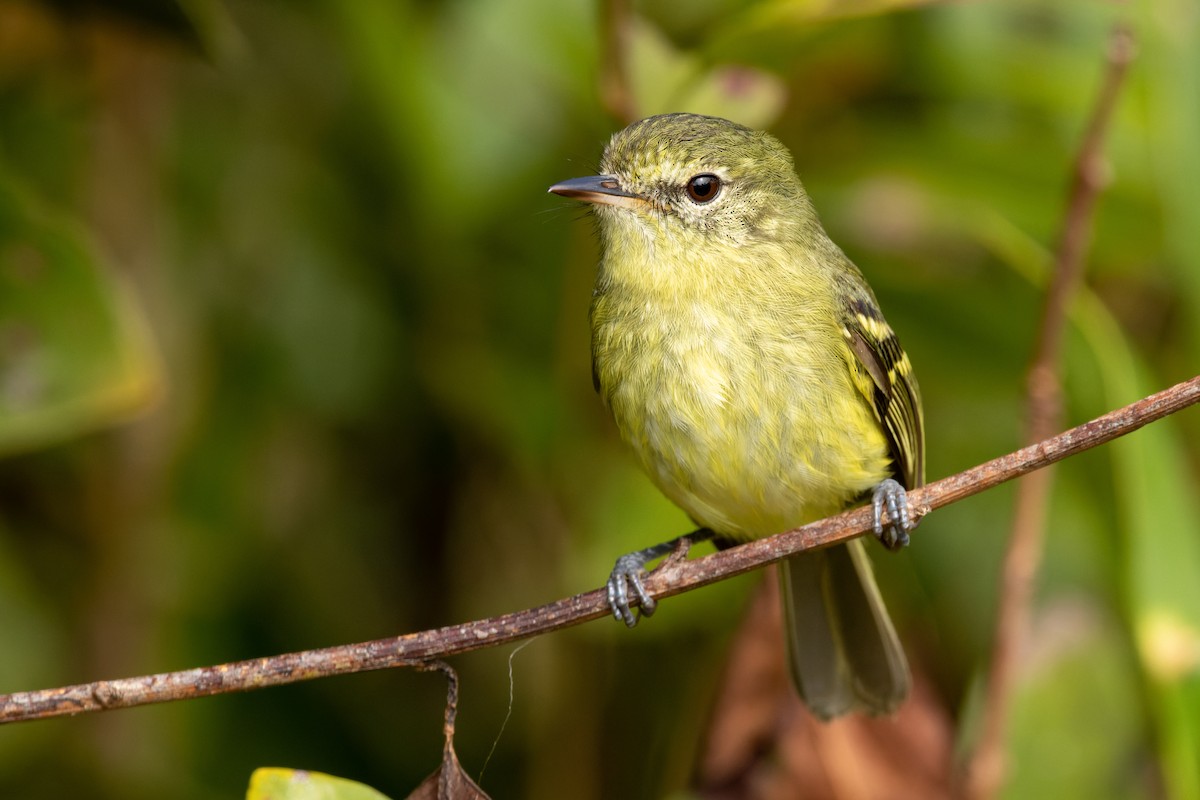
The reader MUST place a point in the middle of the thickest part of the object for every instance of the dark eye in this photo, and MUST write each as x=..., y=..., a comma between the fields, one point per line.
x=704, y=188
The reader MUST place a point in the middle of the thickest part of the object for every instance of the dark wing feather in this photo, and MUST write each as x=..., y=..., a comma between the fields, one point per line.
x=886, y=378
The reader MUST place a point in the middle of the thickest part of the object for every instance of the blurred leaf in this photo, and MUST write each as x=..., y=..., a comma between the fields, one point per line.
x=75, y=354
x=665, y=79
x=203, y=24
x=463, y=100
x=1168, y=81
x=277, y=783
x=1156, y=493
x=774, y=20
x=761, y=741
x=1077, y=678
x=799, y=12
x=1157, y=507
x=493, y=396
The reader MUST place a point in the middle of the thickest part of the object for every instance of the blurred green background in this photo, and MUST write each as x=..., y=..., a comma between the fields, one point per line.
x=294, y=352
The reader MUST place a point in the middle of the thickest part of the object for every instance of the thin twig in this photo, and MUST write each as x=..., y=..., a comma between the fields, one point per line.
x=1044, y=413
x=675, y=577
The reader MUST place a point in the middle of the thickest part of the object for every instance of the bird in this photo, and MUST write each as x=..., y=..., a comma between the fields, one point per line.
x=746, y=363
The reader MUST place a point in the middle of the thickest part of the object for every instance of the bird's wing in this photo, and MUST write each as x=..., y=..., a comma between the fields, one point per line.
x=884, y=375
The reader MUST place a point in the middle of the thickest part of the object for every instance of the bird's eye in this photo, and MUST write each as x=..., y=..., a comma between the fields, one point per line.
x=704, y=188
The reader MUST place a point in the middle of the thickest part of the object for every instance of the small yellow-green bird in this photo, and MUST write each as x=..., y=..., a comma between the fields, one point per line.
x=746, y=362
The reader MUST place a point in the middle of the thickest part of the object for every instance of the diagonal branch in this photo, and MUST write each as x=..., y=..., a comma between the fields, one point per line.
x=674, y=577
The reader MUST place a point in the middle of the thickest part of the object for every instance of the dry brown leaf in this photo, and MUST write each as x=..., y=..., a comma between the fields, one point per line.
x=449, y=781
x=762, y=744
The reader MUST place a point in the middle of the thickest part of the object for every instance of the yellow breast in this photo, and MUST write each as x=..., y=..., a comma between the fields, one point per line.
x=743, y=413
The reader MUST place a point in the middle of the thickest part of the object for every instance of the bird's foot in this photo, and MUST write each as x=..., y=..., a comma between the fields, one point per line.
x=626, y=585
x=890, y=494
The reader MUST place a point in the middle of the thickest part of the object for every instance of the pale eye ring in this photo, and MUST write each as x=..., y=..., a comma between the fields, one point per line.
x=703, y=188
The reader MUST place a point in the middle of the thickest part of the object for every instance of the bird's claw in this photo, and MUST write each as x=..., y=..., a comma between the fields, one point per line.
x=626, y=585
x=891, y=495
x=626, y=579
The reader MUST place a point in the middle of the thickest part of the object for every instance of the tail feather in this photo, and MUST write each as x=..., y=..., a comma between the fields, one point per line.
x=842, y=647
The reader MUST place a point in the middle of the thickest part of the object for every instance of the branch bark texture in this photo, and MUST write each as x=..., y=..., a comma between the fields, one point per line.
x=674, y=576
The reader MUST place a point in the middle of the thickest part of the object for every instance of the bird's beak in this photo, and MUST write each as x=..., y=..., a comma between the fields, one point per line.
x=601, y=189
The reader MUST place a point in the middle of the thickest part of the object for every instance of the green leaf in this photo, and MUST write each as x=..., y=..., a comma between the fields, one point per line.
x=769, y=23
x=666, y=79
x=1157, y=511
x=1168, y=80
x=75, y=354
x=796, y=12
x=1075, y=655
x=278, y=783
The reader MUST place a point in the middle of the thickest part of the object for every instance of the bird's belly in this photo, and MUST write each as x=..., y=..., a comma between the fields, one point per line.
x=750, y=438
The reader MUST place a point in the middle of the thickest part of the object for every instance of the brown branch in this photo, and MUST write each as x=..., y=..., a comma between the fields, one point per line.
x=675, y=576
x=1044, y=413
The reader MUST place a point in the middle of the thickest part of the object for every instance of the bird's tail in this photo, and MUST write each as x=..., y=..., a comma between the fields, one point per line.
x=842, y=648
